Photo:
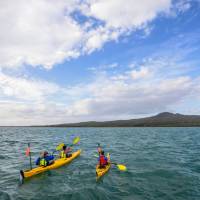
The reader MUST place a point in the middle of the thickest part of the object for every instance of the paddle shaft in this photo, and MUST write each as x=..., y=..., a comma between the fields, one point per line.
x=30, y=156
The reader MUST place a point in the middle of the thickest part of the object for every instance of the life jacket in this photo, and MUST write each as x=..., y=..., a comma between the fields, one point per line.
x=102, y=160
x=43, y=162
x=62, y=154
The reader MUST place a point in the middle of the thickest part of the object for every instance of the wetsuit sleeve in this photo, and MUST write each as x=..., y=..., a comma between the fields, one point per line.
x=37, y=162
x=48, y=158
x=51, y=157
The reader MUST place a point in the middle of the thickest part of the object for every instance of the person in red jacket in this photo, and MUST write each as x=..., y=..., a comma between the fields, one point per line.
x=103, y=160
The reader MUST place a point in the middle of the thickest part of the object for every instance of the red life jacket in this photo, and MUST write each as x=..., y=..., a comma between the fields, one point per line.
x=102, y=160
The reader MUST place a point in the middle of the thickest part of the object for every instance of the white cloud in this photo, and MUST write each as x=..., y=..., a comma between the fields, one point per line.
x=25, y=89
x=37, y=32
x=19, y=113
x=127, y=14
x=95, y=39
x=138, y=74
x=44, y=33
x=182, y=6
x=120, y=98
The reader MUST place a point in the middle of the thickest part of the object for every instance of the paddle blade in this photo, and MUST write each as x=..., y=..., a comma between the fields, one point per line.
x=28, y=151
x=122, y=167
x=60, y=146
x=76, y=140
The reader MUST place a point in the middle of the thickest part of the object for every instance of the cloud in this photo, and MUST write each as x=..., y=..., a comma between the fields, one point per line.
x=138, y=74
x=126, y=14
x=18, y=113
x=181, y=6
x=37, y=32
x=44, y=33
x=120, y=98
x=25, y=89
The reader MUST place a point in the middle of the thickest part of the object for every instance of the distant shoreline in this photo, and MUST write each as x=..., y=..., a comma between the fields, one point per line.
x=100, y=126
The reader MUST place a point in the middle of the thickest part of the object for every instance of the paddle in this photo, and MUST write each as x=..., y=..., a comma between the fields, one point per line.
x=60, y=146
x=75, y=141
x=119, y=166
x=28, y=153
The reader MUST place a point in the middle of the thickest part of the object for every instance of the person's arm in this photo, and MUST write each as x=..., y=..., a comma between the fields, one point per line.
x=106, y=159
x=51, y=157
x=99, y=149
x=37, y=162
x=48, y=158
x=69, y=149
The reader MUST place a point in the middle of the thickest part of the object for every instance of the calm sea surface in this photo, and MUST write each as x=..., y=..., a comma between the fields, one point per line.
x=163, y=163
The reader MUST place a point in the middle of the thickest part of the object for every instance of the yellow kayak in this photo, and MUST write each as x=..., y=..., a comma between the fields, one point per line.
x=101, y=171
x=57, y=163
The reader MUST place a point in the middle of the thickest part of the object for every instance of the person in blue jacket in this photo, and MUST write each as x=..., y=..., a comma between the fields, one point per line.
x=45, y=159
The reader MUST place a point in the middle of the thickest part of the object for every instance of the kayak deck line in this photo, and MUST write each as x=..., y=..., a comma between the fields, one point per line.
x=57, y=163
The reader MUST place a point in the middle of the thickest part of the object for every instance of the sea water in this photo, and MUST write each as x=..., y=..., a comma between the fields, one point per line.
x=162, y=163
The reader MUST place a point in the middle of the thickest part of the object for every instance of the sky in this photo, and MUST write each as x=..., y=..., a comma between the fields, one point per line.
x=68, y=61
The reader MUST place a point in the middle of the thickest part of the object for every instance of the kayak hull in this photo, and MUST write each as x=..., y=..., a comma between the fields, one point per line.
x=57, y=163
x=102, y=171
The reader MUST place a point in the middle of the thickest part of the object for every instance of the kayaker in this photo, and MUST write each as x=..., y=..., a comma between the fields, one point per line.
x=45, y=159
x=103, y=160
x=65, y=153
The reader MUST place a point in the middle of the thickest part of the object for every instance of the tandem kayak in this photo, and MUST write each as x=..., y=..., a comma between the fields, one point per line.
x=57, y=163
x=101, y=171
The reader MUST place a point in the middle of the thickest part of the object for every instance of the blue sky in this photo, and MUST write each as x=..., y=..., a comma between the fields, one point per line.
x=80, y=60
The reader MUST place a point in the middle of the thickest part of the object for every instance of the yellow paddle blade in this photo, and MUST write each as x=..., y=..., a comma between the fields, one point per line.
x=76, y=140
x=122, y=167
x=60, y=146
